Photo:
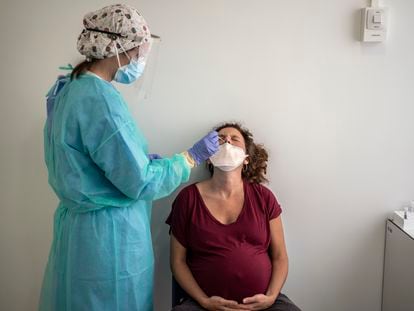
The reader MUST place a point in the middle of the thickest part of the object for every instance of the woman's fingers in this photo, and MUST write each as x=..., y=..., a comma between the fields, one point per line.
x=234, y=306
x=252, y=299
x=255, y=306
x=235, y=309
x=231, y=305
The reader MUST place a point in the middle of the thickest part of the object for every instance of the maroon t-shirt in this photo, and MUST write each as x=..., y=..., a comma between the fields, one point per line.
x=231, y=261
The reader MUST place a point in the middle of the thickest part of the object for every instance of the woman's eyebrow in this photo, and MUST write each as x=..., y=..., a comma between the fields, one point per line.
x=231, y=136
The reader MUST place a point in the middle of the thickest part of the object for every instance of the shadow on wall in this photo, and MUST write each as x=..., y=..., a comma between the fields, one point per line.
x=356, y=17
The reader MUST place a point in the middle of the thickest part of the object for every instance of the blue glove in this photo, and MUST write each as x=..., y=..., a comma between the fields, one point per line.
x=204, y=148
x=154, y=156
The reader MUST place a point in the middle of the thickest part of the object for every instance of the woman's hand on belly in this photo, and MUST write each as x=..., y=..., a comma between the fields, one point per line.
x=216, y=303
x=259, y=302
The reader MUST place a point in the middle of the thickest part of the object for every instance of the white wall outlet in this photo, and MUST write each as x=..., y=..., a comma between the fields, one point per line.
x=374, y=24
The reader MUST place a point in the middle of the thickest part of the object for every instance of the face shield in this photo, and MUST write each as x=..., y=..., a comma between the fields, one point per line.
x=146, y=47
x=139, y=92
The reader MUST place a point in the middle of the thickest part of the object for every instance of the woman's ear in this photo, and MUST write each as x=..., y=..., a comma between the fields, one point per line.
x=246, y=161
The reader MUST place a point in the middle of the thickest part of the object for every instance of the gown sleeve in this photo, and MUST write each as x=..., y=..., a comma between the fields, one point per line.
x=118, y=148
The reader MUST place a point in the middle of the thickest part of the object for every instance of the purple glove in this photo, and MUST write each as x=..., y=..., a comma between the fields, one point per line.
x=154, y=156
x=205, y=147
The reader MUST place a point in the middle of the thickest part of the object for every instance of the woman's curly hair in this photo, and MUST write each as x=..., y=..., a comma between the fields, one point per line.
x=255, y=170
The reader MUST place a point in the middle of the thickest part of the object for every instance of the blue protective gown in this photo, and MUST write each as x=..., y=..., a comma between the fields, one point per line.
x=101, y=257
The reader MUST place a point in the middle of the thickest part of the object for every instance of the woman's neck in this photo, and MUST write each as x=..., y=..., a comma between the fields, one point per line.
x=226, y=183
x=105, y=69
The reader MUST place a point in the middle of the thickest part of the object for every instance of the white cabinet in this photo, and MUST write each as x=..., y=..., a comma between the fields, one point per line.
x=398, y=283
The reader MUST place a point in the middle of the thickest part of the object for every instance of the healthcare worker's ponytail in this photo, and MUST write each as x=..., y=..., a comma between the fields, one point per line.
x=81, y=68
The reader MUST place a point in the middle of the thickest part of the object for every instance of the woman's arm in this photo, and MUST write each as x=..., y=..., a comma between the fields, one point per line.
x=279, y=258
x=185, y=278
x=181, y=271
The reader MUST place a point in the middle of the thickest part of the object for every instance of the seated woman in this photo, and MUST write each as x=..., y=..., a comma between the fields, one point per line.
x=227, y=245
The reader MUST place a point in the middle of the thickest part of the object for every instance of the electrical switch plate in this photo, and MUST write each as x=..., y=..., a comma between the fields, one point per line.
x=374, y=24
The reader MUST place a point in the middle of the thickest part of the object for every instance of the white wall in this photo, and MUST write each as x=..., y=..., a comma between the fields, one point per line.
x=335, y=114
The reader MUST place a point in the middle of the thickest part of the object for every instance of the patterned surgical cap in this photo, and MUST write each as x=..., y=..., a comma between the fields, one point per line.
x=117, y=25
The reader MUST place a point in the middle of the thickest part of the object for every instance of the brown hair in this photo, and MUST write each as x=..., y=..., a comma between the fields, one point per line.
x=81, y=68
x=255, y=171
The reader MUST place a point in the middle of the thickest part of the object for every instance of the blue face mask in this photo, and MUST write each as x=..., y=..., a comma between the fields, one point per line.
x=130, y=72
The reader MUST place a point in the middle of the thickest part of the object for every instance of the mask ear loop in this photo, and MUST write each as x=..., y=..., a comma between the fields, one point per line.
x=127, y=55
x=117, y=53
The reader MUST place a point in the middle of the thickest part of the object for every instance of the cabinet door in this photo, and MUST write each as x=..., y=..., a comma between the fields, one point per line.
x=398, y=286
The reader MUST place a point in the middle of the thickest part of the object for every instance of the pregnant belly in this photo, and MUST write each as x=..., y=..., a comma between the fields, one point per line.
x=235, y=274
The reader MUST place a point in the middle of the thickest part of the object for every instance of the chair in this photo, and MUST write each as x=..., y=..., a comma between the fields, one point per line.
x=178, y=294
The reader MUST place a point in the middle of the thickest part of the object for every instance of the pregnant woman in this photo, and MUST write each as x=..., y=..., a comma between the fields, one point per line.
x=227, y=243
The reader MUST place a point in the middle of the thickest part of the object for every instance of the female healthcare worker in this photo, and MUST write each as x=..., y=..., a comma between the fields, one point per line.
x=101, y=257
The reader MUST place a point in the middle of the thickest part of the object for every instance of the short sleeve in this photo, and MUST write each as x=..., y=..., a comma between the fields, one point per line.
x=272, y=205
x=179, y=217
